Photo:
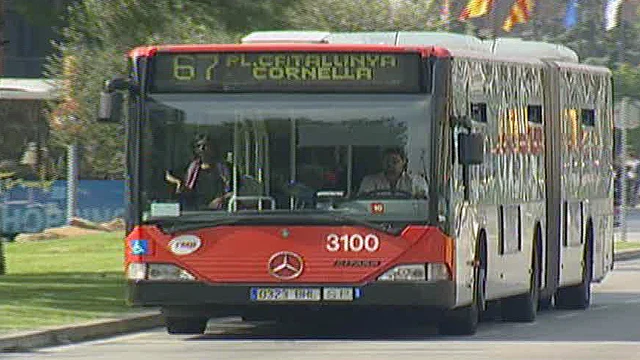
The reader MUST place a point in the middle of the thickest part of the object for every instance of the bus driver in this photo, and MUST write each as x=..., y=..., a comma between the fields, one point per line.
x=394, y=177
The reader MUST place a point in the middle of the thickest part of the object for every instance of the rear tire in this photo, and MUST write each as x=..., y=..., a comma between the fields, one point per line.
x=578, y=297
x=545, y=303
x=191, y=326
x=461, y=321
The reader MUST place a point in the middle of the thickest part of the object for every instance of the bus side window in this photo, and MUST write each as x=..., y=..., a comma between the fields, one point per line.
x=534, y=114
x=588, y=117
x=479, y=112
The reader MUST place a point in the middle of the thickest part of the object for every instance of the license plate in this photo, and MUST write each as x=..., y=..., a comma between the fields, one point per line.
x=285, y=294
x=337, y=294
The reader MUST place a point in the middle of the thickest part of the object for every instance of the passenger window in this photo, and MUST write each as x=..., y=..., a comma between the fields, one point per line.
x=479, y=112
x=588, y=117
x=534, y=114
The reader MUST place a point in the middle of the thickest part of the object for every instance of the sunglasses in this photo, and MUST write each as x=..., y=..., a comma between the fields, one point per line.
x=201, y=146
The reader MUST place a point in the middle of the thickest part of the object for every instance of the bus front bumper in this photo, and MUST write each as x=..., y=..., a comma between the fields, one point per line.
x=438, y=295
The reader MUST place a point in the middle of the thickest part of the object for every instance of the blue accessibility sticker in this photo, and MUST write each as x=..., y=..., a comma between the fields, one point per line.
x=139, y=247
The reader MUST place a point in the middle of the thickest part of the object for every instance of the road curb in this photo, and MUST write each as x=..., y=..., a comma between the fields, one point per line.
x=79, y=332
x=626, y=255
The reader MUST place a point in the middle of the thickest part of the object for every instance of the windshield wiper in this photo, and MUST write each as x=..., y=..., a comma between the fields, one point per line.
x=350, y=220
x=176, y=225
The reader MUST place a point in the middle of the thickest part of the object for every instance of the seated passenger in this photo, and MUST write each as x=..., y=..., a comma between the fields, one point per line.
x=394, y=177
x=206, y=183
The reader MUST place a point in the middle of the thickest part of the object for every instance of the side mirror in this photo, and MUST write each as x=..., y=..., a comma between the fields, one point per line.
x=110, y=107
x=111, y=100
x=470, y=149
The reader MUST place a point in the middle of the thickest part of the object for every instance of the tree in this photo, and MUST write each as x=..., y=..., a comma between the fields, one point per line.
x=94, y=46
x=364, y=15
x=99, y=33
x=626, y=80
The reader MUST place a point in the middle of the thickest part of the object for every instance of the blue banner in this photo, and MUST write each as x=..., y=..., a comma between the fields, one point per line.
x=33, y=206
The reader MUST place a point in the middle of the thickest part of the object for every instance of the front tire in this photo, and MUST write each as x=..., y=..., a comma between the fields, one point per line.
x=464, y=320
x=181, y=325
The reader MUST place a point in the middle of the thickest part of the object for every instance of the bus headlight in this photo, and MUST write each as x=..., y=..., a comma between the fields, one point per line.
x=137, y=271
x=437, y=272
x=167, y=272
x=417, y=272
x=413, y=272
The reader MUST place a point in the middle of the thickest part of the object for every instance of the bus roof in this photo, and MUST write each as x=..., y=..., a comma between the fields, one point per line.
x=149, y=51
x=456, y=44
x=441, y=44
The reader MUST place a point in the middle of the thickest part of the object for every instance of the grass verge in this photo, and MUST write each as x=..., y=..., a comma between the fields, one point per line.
x=62, y=281
x=626, y=245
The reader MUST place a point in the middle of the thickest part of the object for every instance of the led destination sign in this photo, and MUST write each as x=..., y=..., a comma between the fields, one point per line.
x=286, y=72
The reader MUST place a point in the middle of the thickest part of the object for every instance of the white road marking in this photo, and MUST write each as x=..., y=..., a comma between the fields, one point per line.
x=115, y=339
x=566, y=316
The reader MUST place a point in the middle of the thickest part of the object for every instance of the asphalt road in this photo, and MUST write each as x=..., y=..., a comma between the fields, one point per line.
x=632, y=227
x=633, y=220
x=610, y=329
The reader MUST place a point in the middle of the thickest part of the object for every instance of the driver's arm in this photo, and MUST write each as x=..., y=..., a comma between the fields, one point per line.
x=420, y=187
x=367, y=185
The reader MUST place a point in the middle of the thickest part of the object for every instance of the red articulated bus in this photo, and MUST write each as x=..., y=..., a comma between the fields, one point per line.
x=307, y=172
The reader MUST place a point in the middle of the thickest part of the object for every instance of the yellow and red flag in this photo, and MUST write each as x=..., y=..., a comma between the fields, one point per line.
x=476, y=8
x=520, y=13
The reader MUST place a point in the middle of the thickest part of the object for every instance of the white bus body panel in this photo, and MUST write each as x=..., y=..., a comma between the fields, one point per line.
x=465, y=235
x=508, y=176
x=587, y=168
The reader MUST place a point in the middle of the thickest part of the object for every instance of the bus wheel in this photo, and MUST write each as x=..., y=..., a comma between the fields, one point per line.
x=188, y=325
x=464, y=320
x=578, y=297
x=524, y=308
x=545, y=303
x=460, y=321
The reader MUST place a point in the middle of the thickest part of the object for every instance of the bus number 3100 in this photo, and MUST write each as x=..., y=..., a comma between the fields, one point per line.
x=353, y=243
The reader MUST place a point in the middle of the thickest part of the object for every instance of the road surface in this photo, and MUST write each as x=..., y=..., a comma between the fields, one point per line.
x=610, y=329
x=633, y=225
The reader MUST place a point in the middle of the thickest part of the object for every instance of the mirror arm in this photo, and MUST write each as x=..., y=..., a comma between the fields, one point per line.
x=462, y=121
x=118, y=83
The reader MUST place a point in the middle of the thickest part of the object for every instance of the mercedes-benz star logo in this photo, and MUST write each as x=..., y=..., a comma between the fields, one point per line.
x=285, y=265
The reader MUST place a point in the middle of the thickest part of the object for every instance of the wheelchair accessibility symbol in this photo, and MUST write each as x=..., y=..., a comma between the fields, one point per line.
x=139, y=247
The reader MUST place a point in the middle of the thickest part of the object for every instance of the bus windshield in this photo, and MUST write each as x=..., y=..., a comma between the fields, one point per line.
x=227, y=154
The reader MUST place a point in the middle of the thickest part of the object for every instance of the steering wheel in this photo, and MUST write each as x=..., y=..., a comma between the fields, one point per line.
x=385, y=193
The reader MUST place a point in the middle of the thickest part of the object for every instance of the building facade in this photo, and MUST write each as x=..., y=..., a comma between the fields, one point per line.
x=27, y=35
